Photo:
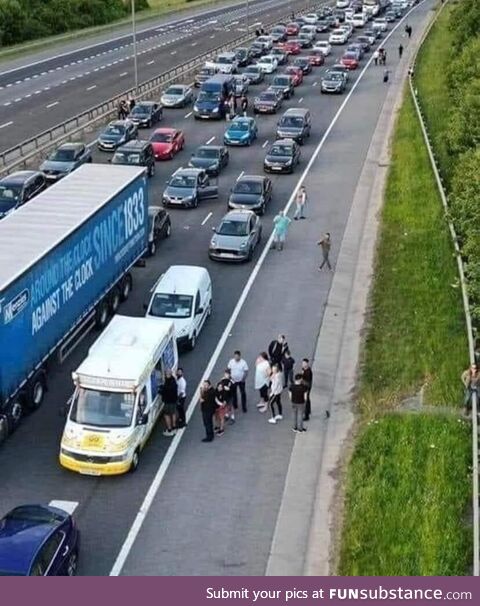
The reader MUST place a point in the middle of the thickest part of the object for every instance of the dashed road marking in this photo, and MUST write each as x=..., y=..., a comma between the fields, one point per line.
x=265, y=144
x=210, y=140
x=68, y=506
x=92, y=87
x=52, y=104
x=188, y=115
x=300, y=100
x=5, y=124
x=207, y=218
x=151, y=62
x=124, y=74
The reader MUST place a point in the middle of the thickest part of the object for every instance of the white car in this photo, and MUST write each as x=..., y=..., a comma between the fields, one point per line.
x=265, y=41
x=310, y=19
x=380, y=23
x=338, y=36
x=358, y=20
x=267, y=64
x=324, y=46
x=343, y=3
x=226, y=63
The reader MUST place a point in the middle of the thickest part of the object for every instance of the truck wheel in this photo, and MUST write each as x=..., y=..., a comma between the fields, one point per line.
x=101, y=315
x=15, y=414
x=126, y=287
x=36, y=391
x=115, y=300
x=3, y=428
x=135, y=461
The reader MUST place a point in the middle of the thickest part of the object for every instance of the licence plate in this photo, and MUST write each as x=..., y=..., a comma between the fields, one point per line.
x=276, y=167
x=89, y=472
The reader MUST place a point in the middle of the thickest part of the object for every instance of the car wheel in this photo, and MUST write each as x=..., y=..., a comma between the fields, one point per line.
x=250, y=254
x=72, y=564
x=192, y=341
x=195, y=202
x=261, y=212
x=171, y=155
x=152, y=248
x=167, y=230
x=149, y=124
x=135, y=461
x=3, y=428
x=152, y=170
x=36, y=391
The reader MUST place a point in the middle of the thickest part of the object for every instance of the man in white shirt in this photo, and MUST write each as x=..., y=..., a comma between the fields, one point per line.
x=182, y=396
x=239, y=370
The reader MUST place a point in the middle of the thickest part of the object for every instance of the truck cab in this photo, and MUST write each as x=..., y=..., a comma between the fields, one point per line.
x=117, y=400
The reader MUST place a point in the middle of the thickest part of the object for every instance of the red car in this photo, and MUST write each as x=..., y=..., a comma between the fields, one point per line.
x=349, y=60
x=167, y=142
x=316, y=57
x=296, y=74
x=292, y=29
x=292, y=47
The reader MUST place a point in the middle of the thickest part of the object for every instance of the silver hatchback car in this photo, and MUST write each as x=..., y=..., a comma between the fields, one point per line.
x=237, y=236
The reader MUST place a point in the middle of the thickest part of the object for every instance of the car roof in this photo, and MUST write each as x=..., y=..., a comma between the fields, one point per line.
x=188, y=171
x=20, y=176
x=256, y=178
x=183, y=86
x=181, y=279
x=216, y=147
x=296, y=111
x=284, y=142
x=147, y=103
x=238, y=215
x=135, y=145
x=166, y=130
x=22, y=536
x=119, y=123
x=240, y=119
x=71, y=145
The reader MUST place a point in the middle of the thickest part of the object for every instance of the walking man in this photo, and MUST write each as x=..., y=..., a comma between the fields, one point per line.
x=277, y=349
x=169, y=397
x=471, y=382
x=326, y=245
x=280, y=223
x=239, y=370
x=297, y=397
x=276, y=389
x=244, y=104
x=300, y=203
x=307, y=380
x=386, y=74
x=376, y=56
x=227, y=384
x=182, y=396
x=400, y=51
x=208, y=406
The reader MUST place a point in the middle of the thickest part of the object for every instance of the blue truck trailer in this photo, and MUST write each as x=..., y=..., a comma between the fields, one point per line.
x=65, y=261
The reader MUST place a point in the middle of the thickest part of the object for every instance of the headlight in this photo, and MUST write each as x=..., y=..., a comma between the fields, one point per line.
x=187, y=198
x=214, y=165
x=195, y=107
x=215, y=110
x=245, y=135
x=244, y=245
x=213, y=243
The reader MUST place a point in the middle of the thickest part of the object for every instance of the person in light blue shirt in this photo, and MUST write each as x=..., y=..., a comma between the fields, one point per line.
x=280, y=228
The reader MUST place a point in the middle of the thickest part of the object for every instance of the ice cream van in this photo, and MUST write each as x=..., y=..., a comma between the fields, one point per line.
x=117, y=401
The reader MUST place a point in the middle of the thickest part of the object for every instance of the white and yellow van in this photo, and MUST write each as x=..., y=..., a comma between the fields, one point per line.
x=116, y=400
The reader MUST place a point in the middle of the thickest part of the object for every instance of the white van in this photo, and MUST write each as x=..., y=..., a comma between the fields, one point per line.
x=117, y=399
x=183, y=294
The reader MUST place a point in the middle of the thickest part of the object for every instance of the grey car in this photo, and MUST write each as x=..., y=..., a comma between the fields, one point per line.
x=64, y=160
x=177, y=95
x=283, y=83
x=187, y=186
x=333, y=82
x=237, y=236
x=240, y=85
x=212, y=158
x=117, y=133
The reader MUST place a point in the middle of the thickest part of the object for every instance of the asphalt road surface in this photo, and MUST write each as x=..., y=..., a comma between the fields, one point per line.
x=38, y=96
x=216, y=510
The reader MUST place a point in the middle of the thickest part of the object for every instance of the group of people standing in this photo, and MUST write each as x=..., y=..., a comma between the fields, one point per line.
x=174, y=396
x=124, y=107
x=234, y=105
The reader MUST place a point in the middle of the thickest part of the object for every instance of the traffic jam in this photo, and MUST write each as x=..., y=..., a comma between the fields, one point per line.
x=150, y=173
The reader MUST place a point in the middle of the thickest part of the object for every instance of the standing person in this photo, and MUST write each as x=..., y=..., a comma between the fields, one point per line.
x=276, y=389
x=226, y=108
x=262, y=380
x=235, y=104
x=326, y=244
x=386, y=75
x=307, y=381
x=297, y=397
x=232, y=106
x=471, y=382
x=227, y=384
x=131, y=103
x=409, y=32
x=120, y=114
x=239, y=371
x=300, y=203
x=400, y=51
x=288, y=364
x=208, y=406
x=277, y=349
x=376, y=56
x=169, y=397
x=220, y=410
x=280, y=223
x=476, y=352
x=244, y=104
x=181, y=398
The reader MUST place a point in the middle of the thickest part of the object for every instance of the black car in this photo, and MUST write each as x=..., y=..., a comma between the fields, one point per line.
x=267, y=102
x=255, y=74
x=159, y=227
x=18, y=188
x=251, y=192
x=282, y=157
x=364, y=41
x=303, y=63
x=304, y=40
x=284, y=84
x=279, y=55
x=116, y=133
x=212, y=158
x=256, y=50
x=243, y=56
x=136, y=153
x=146, y=113
x=203, y=75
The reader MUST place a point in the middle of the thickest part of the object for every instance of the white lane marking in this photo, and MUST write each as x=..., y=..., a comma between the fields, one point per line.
x=173, y=53
x=18, y=99
x=5, y=124
x=165, y=464
x=124, y=74
x=151, y=62
x=265, y=144
x=7, y=103
x=315, y=84
x=68, y=506
x=241, y=174
x=92, y=87
x=194, y=43
x=188, y=115
x=37, y=92
x=210, y=140
x=52, y=104
x=212, y=37
x=207, y=218
x=300, y=100
x=9, y=84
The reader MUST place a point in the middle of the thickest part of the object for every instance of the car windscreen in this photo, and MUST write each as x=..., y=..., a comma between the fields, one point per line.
x=141, y=109
x=62, y=155
x=183, y=181
x=162, y=137
x=126, y=158
x=114, y=130
x=9, y=196
x=281, y=150
x=281, y=81
x=102, y=408
x=247, y=187
x=225, y=60
x=292, y=121
x=252, y=70
x=336, y=76
x=268, y=97
x=171, y=306
x=240, y=126
x=34, y=513
x=232, y=228
x=174, y=90
x=349, y=56
x=207, y=152
x=208, y=96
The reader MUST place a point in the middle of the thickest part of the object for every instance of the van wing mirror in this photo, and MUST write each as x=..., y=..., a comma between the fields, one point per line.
x=200, y=310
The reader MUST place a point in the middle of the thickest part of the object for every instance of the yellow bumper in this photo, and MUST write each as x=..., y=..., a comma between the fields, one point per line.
x=94, y=469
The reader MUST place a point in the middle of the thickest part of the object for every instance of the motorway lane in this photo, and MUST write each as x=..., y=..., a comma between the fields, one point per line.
x=26, y=107
x=43, y=480
x=107, y=506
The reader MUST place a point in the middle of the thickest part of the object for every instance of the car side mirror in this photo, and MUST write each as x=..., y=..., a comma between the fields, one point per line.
x=110, y=160
x=214, y=229
x=200, y=310
x=142, y=419
x=145, y=306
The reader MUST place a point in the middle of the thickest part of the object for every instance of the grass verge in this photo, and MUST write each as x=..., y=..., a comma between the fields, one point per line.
x=408, y=486
x=158, y=8
x=407, y=495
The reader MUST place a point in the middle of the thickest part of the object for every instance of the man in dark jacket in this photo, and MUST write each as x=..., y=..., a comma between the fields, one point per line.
x=307, y=380
x=170, y=397
x=276, y=351
x=208, y=405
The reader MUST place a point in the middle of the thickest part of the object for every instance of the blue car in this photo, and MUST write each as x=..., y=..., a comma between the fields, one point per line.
x=38, y=540
x=242, y=131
